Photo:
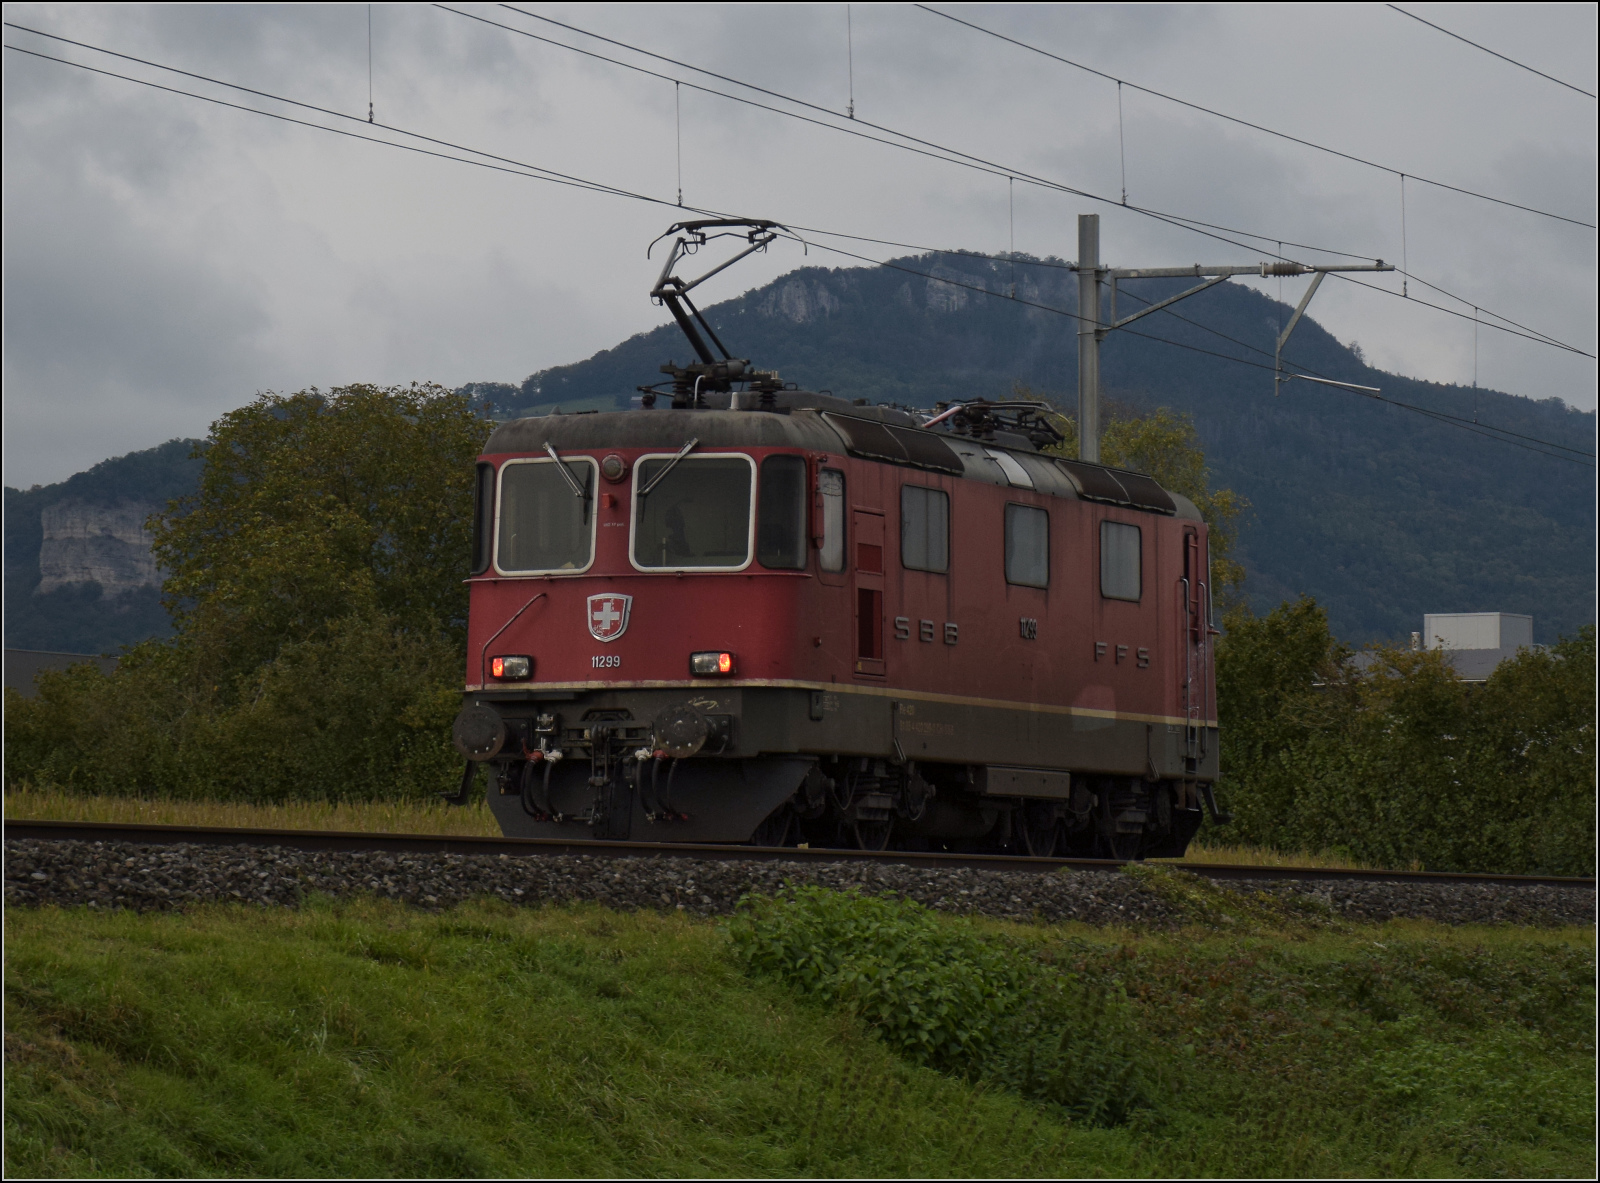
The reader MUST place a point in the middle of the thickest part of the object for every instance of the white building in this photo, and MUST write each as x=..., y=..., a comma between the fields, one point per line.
x=1474, y=643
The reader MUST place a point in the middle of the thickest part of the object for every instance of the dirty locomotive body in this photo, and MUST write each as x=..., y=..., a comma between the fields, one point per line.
x=775, y=617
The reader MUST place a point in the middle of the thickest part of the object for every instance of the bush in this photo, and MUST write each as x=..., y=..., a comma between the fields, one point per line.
x=360, y=711
x=1401, y=762
x=948, y=997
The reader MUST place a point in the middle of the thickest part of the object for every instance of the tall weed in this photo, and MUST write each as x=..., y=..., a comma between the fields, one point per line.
x=945, y=995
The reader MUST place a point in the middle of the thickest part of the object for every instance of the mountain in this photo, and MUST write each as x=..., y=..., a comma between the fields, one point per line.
x=1380, y=512
x=79, y=574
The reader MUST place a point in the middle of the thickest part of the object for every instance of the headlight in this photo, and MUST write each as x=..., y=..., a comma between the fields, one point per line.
x=511, y=668
x=712, y=665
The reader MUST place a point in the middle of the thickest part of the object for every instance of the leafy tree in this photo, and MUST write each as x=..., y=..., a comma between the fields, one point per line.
x=1398, y=762
x=1534, y=740
x=314, y=506
x=1164, y=444
x=316, y=583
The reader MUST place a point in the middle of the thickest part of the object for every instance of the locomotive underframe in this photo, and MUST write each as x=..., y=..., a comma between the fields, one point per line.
x=847, y=765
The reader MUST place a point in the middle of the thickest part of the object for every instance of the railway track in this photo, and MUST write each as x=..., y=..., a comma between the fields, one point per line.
x=314, y=840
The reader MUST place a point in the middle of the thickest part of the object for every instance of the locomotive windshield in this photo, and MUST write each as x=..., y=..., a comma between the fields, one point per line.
x=698, y=516
x=543, y=524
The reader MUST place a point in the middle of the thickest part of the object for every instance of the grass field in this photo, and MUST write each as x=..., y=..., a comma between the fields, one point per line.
x=428, y=817
x=362, y=1038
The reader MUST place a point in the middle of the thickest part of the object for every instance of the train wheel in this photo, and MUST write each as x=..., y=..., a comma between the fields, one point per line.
x=1040, y=831
x=873, y=835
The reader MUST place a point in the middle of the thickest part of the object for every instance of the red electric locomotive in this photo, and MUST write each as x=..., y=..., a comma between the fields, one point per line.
x=749, y=613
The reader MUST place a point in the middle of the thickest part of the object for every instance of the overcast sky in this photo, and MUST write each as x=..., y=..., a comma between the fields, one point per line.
x=166, y=259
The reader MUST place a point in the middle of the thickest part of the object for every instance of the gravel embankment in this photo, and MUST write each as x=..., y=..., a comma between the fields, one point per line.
x=154, y=877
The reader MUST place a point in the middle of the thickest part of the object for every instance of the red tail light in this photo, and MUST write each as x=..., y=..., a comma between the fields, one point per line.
x=715, y=664
x=513, y=669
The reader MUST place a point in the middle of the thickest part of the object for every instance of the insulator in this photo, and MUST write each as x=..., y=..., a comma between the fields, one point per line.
x=1283, y=269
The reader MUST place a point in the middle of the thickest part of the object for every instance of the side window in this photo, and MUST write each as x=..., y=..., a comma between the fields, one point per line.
x=781, y=513
x=830, y=484
x=924, y=529
x=1027, y=546
x=1119, y=561
x=482, y=519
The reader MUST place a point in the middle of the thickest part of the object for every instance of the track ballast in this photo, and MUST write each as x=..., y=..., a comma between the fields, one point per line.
x=147, y=834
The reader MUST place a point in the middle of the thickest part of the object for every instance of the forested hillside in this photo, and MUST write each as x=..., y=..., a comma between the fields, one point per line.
x=81, y=615
x=1380, y=513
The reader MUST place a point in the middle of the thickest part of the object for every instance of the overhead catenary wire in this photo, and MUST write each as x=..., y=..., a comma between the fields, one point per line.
x=1318, y=373
x=512, y=167
x=1529, y=333
x=914, y=144
x=911, y=246
x=1253, y=126
x=933, y=150
x=1444, y=417
x=1493, y=53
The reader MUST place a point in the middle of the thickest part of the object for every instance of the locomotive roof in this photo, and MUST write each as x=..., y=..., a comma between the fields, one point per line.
x=834, y=425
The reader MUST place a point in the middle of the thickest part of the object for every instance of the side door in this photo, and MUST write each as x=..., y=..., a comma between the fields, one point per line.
x=867, y=533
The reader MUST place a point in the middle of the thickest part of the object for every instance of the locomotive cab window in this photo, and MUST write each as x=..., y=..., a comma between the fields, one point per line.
x=696, y=515
x=483, y=519
x=542, y=522
x=1027, y=546
x=781, y=513
x=924, y=529
x=1120, y=576
x=830, y=488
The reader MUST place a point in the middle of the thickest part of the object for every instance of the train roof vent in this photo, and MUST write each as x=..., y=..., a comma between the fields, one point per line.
x=898, y=445
x=1095, y=483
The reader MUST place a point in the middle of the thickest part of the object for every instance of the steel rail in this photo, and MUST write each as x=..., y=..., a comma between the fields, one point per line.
x=163, y=835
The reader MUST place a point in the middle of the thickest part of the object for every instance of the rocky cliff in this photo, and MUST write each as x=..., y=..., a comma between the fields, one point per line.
x=80, y=577
x=83, y=543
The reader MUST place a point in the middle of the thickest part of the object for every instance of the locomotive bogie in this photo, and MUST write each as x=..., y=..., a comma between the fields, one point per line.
x=815, y=622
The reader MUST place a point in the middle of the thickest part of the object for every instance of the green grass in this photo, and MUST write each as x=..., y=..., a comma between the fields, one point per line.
x=393, y=816
x=363, y=1038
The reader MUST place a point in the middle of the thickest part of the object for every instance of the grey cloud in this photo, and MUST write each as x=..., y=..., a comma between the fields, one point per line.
x=167, y=259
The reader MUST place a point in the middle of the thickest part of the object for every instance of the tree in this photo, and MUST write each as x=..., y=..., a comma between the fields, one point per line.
x=316, y=583
x=316, y=506
x=1395, y=760
x=1164, y=444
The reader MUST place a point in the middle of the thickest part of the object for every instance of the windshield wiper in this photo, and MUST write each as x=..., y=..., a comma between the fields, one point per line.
x=671, y=464
x=581, y=492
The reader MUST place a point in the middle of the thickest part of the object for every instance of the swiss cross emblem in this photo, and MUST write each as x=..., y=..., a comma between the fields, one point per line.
x=608, y=616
